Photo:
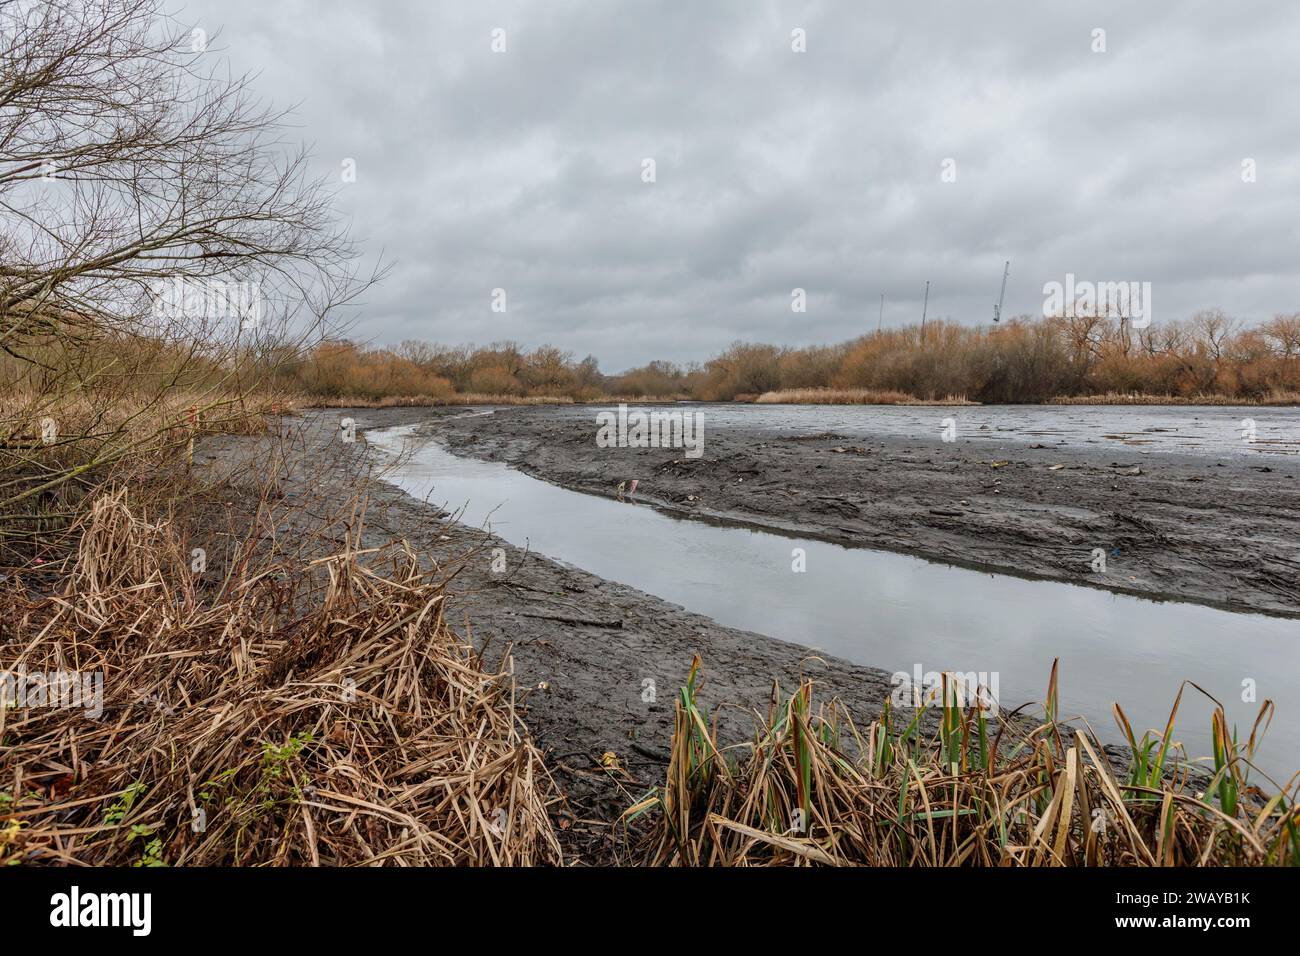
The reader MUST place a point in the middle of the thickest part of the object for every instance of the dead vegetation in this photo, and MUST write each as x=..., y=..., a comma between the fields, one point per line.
x=57, y=450
x=169, y=256
x=1135, y=398
x=315, y=715
x=430, y=401
x=851, y=396
x=813, y=788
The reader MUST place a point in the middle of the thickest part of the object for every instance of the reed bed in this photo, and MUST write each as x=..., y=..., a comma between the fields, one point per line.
x=852, y=396
x=56, y=450
x=88, y=415
x=475, y=398
x=814, y=789
x=640, y=398
x=1133, y=398
x=432, y=401
x=316, y=715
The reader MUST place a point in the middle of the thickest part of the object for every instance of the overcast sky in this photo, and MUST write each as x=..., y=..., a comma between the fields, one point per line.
x=822, y=170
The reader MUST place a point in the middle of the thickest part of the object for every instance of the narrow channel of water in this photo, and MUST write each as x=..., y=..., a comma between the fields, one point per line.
x=894, y=611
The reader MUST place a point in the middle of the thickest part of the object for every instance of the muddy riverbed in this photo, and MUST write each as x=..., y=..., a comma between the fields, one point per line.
x=598, y=661
x=1190, y=511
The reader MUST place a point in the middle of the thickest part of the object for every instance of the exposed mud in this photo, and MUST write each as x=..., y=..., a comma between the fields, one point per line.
x=598, y=663
x=1218, y=531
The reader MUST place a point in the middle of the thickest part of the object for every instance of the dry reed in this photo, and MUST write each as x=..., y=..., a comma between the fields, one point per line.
x=432, y=401
x=813, y=788
x=1133, y=398
x=852, y=396
x=316, y=715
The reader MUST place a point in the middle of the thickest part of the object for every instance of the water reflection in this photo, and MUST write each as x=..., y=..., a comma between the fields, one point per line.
x=894, y=611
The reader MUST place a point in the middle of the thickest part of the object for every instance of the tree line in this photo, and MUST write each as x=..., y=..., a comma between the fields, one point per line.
x=1026, y=359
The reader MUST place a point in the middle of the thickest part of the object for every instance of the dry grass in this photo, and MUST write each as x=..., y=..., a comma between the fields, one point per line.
x=323, y=714
x=813, y=788
x=431, y=401
x=473, y=398
x=88, y=415
x=851, y=396
x=55, y=450
x=1132, y=398
x=640, y=399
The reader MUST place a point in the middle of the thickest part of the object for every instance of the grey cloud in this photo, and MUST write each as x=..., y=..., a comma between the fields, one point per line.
x=775, y=170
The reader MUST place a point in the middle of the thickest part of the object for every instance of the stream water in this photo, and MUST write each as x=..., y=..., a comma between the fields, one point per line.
x=893, y=611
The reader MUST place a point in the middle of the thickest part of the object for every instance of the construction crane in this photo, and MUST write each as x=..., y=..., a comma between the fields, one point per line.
x=997, y=309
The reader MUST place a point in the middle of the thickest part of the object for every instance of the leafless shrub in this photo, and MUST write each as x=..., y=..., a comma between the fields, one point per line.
x=160, y=237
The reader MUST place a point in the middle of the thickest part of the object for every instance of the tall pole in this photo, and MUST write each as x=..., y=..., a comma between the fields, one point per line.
x=997, y=311
x=880, y=321
x=925, y=307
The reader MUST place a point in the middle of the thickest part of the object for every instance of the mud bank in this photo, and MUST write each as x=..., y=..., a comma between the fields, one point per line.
x=598, y=664
x=1217, y=531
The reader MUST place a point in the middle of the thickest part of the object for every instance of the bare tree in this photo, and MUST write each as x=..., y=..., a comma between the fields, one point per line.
x=160, y=235
x=1283, y=334
x=1084, y=337
x=1212, y=330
